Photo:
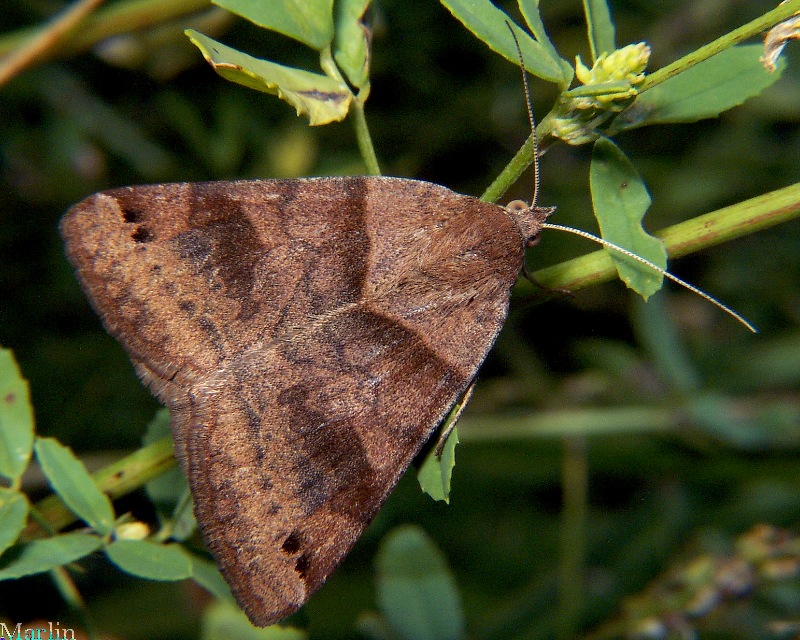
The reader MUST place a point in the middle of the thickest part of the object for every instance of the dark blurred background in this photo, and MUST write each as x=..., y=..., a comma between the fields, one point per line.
x=445, y=108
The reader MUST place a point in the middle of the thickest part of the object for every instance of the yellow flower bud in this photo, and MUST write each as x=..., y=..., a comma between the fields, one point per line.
x=132, y=531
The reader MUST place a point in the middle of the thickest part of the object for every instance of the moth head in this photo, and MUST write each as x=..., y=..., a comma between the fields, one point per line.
x=529, y=219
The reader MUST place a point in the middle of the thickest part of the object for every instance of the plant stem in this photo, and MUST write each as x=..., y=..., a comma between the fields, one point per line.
x=69, y=592
x=638, y=419
x=511, y=173
x=356, y=113
x=752, y=28
x=46, y=40
x=122, y=17
x=574, y=483
x=687, y=237
x=117, y=479
x=364, y=139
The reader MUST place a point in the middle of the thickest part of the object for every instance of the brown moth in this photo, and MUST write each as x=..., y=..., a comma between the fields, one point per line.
x=308, y=336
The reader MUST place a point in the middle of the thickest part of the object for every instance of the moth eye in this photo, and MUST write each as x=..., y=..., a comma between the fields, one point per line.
x=291, y=545
x=517, y=205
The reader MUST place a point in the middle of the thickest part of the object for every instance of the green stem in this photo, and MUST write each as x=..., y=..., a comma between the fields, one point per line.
x=584, y=422
x=359, y=121
x=574, y=482
x=745, y=32
x=357, y=116
x=659, y=417
x=46, y=40
x=116, y=480
x=523, y=158
x=69, y=592
x=511, y=173
x=681, y=239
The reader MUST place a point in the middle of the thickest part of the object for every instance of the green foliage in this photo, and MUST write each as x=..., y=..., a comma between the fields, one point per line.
x=600, y=26
x=43, y=555
x=13, y=516
x=310, y=22
x=224, y=621
x=417, y=593
x=702, y=91
x=322, y=98
x=299, y=88
x=204, y=573
x=490, y=25
x=436, y=471
x=620, y=201
x=16, y=419
x=150, y=560
x=351, y=47
x=74, y=485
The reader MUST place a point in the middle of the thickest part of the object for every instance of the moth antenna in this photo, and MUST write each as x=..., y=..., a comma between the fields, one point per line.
x=531, y=119
x=585, y=234
x=655, y=267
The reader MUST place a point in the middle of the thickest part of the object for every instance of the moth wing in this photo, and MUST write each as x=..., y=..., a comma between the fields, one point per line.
x=307, y=335
x=189, y=275
x=293, y=448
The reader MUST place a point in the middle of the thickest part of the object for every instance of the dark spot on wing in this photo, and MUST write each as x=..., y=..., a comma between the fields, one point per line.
x=188, y=306
x=131, y=214
x=292, y=544
x=142, y=234
x=302, y=565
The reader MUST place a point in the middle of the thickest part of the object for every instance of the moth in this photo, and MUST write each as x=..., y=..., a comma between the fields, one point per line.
x=308, y=336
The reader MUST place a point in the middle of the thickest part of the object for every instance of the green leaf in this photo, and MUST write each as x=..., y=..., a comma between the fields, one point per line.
x=73, y=484
x=488, y=23
x=321, y=98
x=167, y=489
x=223, y=621
x=13, y=516
x=702, y=91
x=436, y=471
x=309, y=21
x=169, y=492
x=206, y=574
x=530, y=11
x=43, y=555
x=16, y=419
x=185, y=524
x=602, y=37
x=620, y=200
x=157, y=428
x=351, y=45
x=150, y=560
x=416, y=591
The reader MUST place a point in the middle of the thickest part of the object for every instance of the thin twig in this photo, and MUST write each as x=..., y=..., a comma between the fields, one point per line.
x=47, y=39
